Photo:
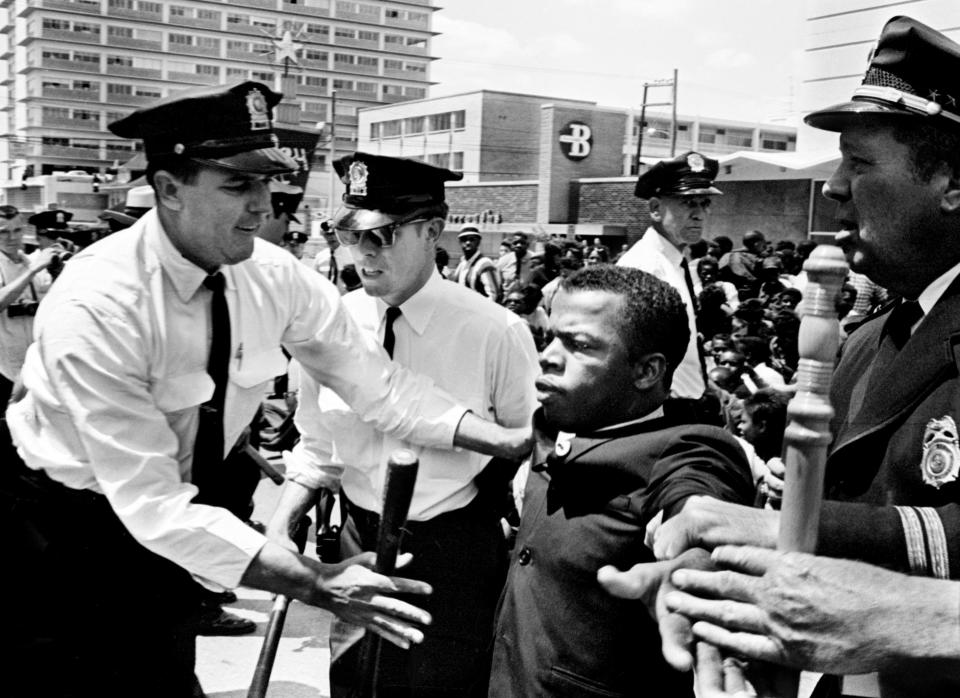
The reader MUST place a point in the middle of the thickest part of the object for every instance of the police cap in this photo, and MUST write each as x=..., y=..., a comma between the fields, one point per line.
x=52, y=219
x=688, y=174
x=227, y=126
x=380, y=189
x=914, y=73
x=297, y=236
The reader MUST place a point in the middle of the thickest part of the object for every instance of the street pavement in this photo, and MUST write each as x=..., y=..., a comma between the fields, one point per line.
x=225, y=665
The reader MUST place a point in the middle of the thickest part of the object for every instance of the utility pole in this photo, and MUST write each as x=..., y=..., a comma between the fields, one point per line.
x=673, y=121
x=333, y=151
x=643, y=114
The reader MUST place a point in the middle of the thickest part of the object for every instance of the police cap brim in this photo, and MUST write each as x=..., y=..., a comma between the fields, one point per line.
x=840, y=116
x=348, y=218
x=265, y=161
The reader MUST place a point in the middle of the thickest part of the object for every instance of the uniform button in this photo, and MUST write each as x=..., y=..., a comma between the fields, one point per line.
x=526, y=555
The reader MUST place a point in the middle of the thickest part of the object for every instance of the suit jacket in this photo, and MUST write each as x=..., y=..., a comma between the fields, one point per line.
x=884, y=402
x=558, y=632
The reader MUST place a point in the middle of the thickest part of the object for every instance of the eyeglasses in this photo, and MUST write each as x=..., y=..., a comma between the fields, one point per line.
x=379, y=237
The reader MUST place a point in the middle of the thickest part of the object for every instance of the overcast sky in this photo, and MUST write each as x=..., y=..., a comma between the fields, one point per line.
x=737, y=59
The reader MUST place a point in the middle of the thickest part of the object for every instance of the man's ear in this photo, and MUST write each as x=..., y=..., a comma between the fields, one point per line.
x=434, y=229
x=950, y=200
x=654, y=205
x=167, y=189
x=649, y=371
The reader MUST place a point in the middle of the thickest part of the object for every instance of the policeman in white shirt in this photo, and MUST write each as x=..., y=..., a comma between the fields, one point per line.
x=151, y=355
x=679, y=192
x=393, y=215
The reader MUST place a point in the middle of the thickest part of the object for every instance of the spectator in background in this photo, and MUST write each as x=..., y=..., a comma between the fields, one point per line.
x=597, y=255
x=784, y=349
x=741, y=267
x=442, y=258
x=762, y=419
x=756, y=352
x=515, y=267
x=713, y=314
x=708, y=270
x=328, y=262
x=476, y=270
x=719, y=246
x=525, y=302
x=568, y=265
x=504, y=249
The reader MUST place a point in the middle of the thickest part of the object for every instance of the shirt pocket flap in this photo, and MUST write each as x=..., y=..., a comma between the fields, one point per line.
x=181, y=392
x=259, y=367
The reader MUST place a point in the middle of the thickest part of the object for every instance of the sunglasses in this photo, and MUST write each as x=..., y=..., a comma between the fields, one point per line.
x=378, y=237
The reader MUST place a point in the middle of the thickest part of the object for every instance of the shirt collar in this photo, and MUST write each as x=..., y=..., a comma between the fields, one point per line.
x=656, y=414
x=419, y=308
x=185, y=276
x=932, y=293
x=664, y=246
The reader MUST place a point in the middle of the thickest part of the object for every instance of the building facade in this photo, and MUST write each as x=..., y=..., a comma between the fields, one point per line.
x=73, y=66
x=839, y=37
x=566, y=168
x=496, y=136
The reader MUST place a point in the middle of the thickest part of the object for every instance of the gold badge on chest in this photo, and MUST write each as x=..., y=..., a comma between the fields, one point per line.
x=941, y=452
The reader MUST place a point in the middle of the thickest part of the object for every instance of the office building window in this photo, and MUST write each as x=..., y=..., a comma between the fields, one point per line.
x=368, y=61
x=368, y=36
x=392, y=129
x=440, y=122
x=456, y=162
x=414, y=125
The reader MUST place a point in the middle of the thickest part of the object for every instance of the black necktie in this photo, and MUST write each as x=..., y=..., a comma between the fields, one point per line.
x=696, y=317
x=389, y=338
x=208, y=448
x=901, y=319
x=332, y=274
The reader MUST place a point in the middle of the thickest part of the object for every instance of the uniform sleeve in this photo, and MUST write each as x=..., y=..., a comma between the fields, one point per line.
x=334, y=352
x=516, y=369
x=919, y=540
x=96, y=362
x=310, y=463
x=695, y=463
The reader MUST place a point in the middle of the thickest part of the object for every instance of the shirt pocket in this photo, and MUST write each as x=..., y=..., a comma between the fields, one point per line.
x=257, y=368
x=174, y=394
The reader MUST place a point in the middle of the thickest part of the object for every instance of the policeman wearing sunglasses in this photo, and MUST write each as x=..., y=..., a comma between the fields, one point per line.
x=392, y=217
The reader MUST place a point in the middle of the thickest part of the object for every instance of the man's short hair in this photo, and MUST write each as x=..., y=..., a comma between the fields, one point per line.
x=724, y=243
x=184, y=169
x=753, y=236
x=769, y=406
x=654, y=317
x=930, y=146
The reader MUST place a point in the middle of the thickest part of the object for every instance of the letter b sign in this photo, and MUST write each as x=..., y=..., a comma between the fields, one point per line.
x=576, y=140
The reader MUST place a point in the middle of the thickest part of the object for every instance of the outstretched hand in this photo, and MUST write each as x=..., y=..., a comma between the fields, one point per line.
x=815, y=613
x=358, y=595
x=705, y=522
x=650, y=583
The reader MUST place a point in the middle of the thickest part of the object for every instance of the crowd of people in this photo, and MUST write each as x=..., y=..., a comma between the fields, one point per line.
x=599, y=436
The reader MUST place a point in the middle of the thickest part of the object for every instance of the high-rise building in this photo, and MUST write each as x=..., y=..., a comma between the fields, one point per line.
x=70, y=67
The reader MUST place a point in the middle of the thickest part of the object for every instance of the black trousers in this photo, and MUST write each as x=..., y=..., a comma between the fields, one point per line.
x=463, y=555
x=94, y=613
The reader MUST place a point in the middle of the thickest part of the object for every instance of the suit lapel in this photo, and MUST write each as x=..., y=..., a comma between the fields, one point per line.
x=894, y=382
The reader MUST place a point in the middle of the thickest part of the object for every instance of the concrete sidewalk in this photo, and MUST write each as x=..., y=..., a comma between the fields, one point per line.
x=225, y=665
